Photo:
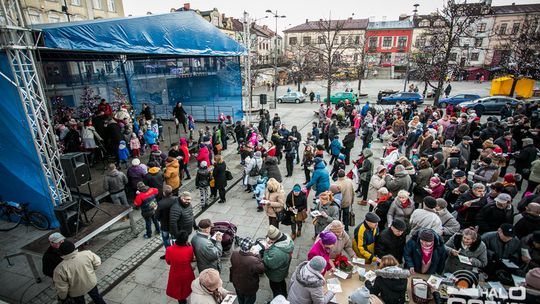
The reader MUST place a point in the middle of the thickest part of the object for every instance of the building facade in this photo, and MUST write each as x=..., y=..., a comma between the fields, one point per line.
x=53, y=11
x=389, y=42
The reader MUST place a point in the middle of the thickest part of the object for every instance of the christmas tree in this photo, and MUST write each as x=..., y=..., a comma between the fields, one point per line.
x=60, y=109
x=119, y=99
x=88, y=105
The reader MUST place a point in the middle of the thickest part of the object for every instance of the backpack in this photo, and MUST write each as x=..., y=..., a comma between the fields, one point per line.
x=255, y=171
x=450, y=131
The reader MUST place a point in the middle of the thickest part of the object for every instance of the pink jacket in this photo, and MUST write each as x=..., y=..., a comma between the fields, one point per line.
x=204, y=155
x=318, y=250
x=357, y=121
x=134, y=143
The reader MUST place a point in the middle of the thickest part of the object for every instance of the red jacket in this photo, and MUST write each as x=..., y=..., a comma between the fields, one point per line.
x=105, y=108
x=144, y=196
x=204, y=155
x=180, y=274
x=185, y=149
x=272, y=151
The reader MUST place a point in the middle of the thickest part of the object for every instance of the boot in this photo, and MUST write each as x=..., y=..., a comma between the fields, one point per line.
x=260, y=209
x=299, y=233
x=362, y=203
x=293, y=236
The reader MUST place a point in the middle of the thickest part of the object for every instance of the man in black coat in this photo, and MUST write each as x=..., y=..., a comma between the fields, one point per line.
x=524, y=159
x=113, y=135
x=492, y=216
x=469, y=204
x=181, y=215
x=52, y=257
x=163, y=215
x=392, y=240
x=348, y=144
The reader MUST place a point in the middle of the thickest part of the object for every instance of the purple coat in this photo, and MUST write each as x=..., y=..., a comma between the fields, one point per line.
x=136, y=174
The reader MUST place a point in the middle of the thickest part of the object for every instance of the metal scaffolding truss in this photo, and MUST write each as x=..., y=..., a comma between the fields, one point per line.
x=19, y=44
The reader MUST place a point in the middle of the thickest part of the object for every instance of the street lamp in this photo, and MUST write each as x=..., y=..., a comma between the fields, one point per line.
x=276, y=16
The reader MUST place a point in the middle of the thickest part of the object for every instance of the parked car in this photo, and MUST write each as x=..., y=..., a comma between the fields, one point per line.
x=457, y=99
x=407, y=97
x=339, y=96
x=489, y=105
x=292, y=96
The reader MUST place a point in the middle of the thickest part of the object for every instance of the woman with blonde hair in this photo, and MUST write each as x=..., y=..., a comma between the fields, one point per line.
x=274, y=201
x=328, y=209
x=401, y=208
x=390, y=285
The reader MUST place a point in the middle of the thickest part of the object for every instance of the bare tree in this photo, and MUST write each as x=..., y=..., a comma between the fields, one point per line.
x=360, y=62
x=301, y=63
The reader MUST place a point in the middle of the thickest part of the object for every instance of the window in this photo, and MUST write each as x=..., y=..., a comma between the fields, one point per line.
x=502, y=29
x=306, y=40
x=76, y=2
x=350, y=41
x=97, y=4
x=293, y=40
x=478, y=42
x=373, y=42
x=35, y=18
x=424, y=23
x=387, y=42
x=54, y=19
x=515, y=28
x=343, y=39
x=357, y=40
x=474, y=56
x=481, y=27
x=439, y=23
x=402, y=42
x=111, y=5
x=320, y=39
x=453, y=57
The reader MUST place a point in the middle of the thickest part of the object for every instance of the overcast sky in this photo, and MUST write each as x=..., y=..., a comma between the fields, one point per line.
x=297, y=11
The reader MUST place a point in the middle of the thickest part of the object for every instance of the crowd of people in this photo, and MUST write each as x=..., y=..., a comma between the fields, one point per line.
x=447, y=193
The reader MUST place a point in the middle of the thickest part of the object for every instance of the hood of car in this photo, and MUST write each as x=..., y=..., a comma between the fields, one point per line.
x=467, y=103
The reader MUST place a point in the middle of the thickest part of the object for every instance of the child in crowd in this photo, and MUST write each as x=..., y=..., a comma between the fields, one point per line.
x=155, y=128
x=123, y=154
x=160, y=130
x=202, y=182
x=135, y=145
x=191, y=127
x=259, y=192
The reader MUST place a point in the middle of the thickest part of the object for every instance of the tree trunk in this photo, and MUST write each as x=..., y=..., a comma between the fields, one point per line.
x=328, y=91
x=359, y=84
x=298, y=82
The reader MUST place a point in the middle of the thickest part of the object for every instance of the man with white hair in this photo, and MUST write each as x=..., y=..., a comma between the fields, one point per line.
x=52, y=257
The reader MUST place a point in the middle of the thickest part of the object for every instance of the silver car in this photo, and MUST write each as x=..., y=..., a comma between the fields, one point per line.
x=292, y=96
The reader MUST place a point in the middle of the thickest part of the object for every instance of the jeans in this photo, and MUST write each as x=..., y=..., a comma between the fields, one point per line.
x=166, y=237
x=345, y=217
x=186, y=170
x=94, y=295
x=333, y=158
x=120, y=198
x=289, y=164
x=245, y=299
x=279, y=288
x=148, y=221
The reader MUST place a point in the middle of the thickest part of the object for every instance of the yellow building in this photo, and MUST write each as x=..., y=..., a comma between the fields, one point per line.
x=52, y=11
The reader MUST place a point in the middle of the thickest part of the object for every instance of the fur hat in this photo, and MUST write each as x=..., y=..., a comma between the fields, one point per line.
x=210, y=279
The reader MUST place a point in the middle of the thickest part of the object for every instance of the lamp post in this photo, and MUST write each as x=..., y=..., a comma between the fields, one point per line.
x=276, y=16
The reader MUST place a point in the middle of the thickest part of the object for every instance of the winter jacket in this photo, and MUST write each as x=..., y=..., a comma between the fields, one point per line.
x=320, y=179
x=300, y=201
x=347, y=191
x=180, y=274
x=135, y=174
x=413, y=255
x=220, y=175
x=400, y=181
x=201, y=295
x=423, y=176
x=335, y=147
x=277, y=259
x=491, y=217
x=123, y=152
x=390, y=285
x=501, y=142
x=535, y=171
x=343, y=245
x=207, y=251
x=364, y=239
x=145, y=200
x=245, y=271
x=425, y=218
x=526, y=156
x=163, y=211
x=526, y=224
x=150, y=137
x=172, y=174
x=397, y=211
x=477, y=254
x=204, y=155
x=466, y=216
x=332, y=211
x=202, y=180
x=307, y=286
x=383, y=205
x=271, y=169
x=497, y=249
x=317, y=249
x=154, y=179
x=75, y=276
x=450, y=225
x=389, y=243
x=255, y=161
x=115, y=181
x=51, y=258
x=485, y=174
x=276, y=196
x=391, y=158
x=348, y=140
x=181, y=218
x=366, y=171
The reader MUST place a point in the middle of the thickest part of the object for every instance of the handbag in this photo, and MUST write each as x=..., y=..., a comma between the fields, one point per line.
x=228, y=175
x=352, y=219
x=279, y=215
x=299, y=216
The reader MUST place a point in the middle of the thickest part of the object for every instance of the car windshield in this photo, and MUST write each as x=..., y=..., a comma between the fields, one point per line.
x=459, y=96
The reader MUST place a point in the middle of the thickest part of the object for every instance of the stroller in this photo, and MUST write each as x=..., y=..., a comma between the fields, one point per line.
x=229, y=234
x=343, y=122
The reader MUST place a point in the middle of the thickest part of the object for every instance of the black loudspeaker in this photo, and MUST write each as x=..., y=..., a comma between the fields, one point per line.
x=263, y=99
x=67, y=216
x=76, y=169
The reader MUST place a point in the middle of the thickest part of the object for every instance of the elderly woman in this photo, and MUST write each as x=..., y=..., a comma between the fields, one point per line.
x=425, y=253
x=207, y=288
x=382, y=205
x=343, y=244
x=376, y=182
x=401, y=208
x=322, y=247
x=328, y=209
x=308, y=284
x=467, y=244
x=275, y=201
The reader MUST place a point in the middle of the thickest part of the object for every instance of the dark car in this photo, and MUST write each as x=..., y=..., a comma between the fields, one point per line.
x=457, y=99
x=407, y=97
x=489, y=105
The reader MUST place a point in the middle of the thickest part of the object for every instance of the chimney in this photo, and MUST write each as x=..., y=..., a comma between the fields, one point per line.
x=307, y=20
x=187, y=6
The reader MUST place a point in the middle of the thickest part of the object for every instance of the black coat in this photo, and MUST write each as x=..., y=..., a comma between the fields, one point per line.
x=180, y=114
x=50, y=260
x=389, y=243
x=524, y=159
x=270, y=169
x=413, y=254
x=300, y=201
x=467, y=216
x=382, y=211
x=163, y=211
x=181, y=218
x=220, y=176
x=203, y=178
x=390, y=285
x=113, y=135
x=490, y=217
x=526, y=225
x=348, y=141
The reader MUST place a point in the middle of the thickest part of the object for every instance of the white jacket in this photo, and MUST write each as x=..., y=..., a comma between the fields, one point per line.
x=391, y=158
x=75, y=275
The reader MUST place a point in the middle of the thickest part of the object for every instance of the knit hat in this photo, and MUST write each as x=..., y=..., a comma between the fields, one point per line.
x=430, y=202
x=296, y=188
x=246, y=244
x=183, y=141
x=507, y=229
x=210, y=279
x=317, y=263
x=532, y=278
x=155, y=148
x=142, y=187
x=509, y=178
x=459, y=173
x=372, y=217
x=427, y=235
x=399, y=224
x=328, y=237
x=273, y=233
x=360, y=296
x=66, y=247
x=204, y=164
x=335, y=225
x=135, y=162
x=435, y=180
x=503, y=198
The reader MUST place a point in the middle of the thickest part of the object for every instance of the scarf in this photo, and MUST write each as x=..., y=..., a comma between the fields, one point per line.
x=427, y=253
x=405, y=204
x=218, y=297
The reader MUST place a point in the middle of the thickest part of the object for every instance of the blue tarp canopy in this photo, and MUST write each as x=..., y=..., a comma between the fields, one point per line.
x=180, y=33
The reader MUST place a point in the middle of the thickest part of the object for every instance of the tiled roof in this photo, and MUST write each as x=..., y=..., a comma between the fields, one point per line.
x=238, y=26
x=431, y=18
x=516, y=9
x=348, y=24
x=381, y=25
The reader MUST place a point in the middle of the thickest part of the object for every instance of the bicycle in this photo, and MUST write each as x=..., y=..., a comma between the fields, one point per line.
x=12, y=214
